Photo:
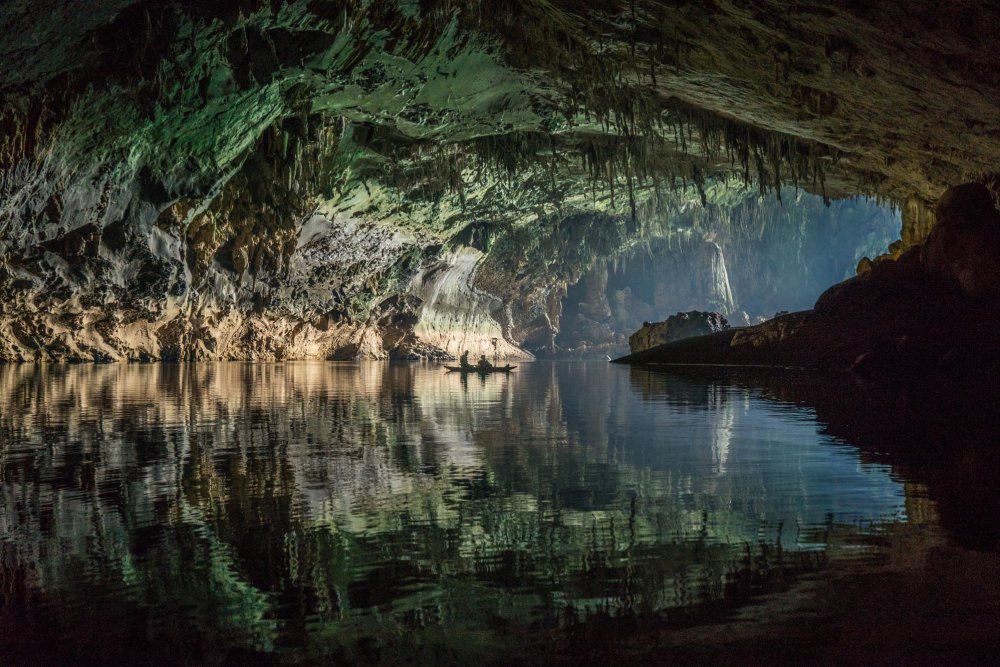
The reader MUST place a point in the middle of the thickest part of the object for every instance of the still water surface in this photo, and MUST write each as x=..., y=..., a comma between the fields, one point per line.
x=375, y=512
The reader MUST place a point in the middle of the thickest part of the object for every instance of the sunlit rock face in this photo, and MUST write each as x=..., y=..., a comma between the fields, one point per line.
x=454, y=316
x=620, y=294
x=247, y=179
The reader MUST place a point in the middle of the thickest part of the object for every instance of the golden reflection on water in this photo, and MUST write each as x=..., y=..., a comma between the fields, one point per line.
x=325, y=509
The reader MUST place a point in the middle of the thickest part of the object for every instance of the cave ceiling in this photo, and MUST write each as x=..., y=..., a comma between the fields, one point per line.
x=898, y=99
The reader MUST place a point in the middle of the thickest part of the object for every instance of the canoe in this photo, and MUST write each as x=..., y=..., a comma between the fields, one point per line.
x=473, y=369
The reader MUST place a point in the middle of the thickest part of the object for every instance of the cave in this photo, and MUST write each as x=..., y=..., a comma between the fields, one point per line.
x=730, y=272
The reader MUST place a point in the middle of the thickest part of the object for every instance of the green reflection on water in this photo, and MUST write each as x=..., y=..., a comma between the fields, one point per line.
x=375, y=511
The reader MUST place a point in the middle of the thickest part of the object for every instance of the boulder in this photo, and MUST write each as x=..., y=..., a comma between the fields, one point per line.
x=964, y=245
x=676, y=327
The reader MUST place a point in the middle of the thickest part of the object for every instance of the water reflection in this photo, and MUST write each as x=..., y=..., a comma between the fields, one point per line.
x=217, y=512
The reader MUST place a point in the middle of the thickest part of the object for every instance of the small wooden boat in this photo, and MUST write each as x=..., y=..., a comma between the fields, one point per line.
x=473, y=369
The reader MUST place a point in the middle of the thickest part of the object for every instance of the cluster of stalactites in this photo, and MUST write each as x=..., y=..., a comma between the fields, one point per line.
x=614, y=124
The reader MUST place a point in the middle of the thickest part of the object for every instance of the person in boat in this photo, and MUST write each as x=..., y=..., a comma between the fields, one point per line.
x=463, y=361
x=483, y=365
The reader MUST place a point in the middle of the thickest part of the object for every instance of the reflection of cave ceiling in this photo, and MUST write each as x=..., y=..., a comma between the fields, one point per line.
x=193, y=162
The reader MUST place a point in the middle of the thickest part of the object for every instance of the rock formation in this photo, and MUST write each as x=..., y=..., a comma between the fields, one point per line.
x=676, y=327
x=455, y=317
x=964, y=245
x=250, y=179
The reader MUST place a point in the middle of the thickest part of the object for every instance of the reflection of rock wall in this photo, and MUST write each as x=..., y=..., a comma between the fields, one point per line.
x=209, y=495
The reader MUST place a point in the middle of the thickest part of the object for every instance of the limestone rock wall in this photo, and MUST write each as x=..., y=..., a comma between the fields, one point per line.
x=253, y=267
x=745, y=261
x=454, y=316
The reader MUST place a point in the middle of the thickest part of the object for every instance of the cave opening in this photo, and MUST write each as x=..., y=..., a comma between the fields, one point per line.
x=745, y=263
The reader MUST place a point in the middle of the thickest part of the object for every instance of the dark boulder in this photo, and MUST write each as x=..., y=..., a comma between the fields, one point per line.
x=676, y=327
x=964, y=246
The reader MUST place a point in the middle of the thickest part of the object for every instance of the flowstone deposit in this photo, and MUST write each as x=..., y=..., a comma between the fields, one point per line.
x=249, y=179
